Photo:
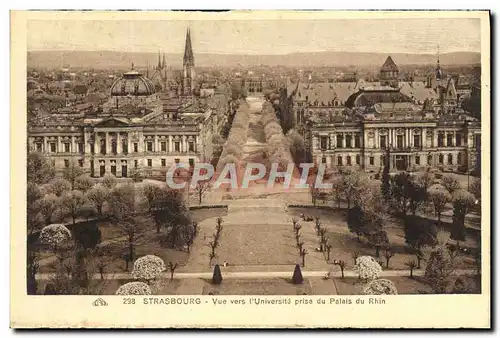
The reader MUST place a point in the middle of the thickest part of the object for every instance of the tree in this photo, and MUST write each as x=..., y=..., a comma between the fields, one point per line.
x=202, y=188
x=151, y=194
x=378, y=238
x=217, y=275
x=328, y=247
x=380, y=287
x=303, y=253
x=475, y=188
x=148, y=267
x=411, y=264
x=418, y=196
x=97, y=196
x=355, y=221
x=188, y=233
x=401, y=192
x=419, y=232
x=134, y=289
x=355, y=256
x=439, y=196
x=367, y=268
x=55, y=236
x=386, y=179
x=84, y=183
x=58, y=186
x=72, y=203
x=169, y=210
x=39, y=169
x=388, y=254
x=440, y=269
x=297, y=275
x=450, y=183
x=352, y=185
x=424, y=179
x=72, y=172
x=47, y=206
x=315, y=193
x=463, y=201
x=171, y=268
x=109, y=181
x=341, y=265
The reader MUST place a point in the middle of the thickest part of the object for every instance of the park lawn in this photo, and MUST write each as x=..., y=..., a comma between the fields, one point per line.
x=404, y=285
x=259, y=244
x=344, y=243
x=265, y=286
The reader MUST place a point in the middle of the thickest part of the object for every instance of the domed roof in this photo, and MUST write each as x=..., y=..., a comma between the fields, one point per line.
x=134, y=84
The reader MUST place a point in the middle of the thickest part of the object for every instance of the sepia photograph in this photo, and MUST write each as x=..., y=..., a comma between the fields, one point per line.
x=180, y=158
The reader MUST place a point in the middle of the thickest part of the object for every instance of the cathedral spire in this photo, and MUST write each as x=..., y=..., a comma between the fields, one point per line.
x=163, y=64
x=439, y=73
x=159, y=61
x=188, y=49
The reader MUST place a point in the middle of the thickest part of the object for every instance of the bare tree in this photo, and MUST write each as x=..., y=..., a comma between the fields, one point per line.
x=328, y=247
x=342, y=266
x=171, y=268
x=303, y=253
x=202, y=188
x=388, y=254
x=412, y=265
x=355, y=256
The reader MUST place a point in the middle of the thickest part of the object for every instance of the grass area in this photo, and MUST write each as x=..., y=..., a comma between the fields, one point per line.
x=268, y=286
x=257, y=245
x=404, y=285
x=344, y=243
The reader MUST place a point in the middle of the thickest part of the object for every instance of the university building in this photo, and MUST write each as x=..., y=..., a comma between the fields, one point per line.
x=356, y=124
x=136, y=129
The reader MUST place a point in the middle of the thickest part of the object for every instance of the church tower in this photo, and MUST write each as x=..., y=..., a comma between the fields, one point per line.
x=188, y=65
x=439, y=73
x=389, y=73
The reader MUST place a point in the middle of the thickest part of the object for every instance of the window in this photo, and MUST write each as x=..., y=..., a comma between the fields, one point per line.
x=80, y=148
x=80, y=163
x=459, y=158
x=136, y=147
x=372, y=160
x=163, y=146
x=458, y=139
x=149, y=146
x=357, y=141
x=399, y=141
x=150, y=162
x=416, y=141
x=92, y=149
x=417, y=160
x=191, y=146
x=163, y=162
x=429, y=159
x=53, y=147
x=136, y=163
x=114, y=148
x=340, y=141
x=323, y=142
x=450, y=159
x=449, y=140
x=66, y=147
x=349, y=160
x=177, y=160
x=177, y=146
x=191, y=162
x=441, y=159
x=103, y=147
x=38, y=147
x=382, y=160
x=358, y=159
x=323, y=160
x=66, y=163
x=383, y=141
x=440, y=140
x=348, y=141
x=339, y=160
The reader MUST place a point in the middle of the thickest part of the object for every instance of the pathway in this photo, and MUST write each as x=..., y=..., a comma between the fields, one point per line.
x=262, y=274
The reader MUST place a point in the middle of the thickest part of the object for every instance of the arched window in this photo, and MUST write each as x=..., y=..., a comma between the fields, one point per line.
x=450, y=159
x=441, y=158
x=429, y=159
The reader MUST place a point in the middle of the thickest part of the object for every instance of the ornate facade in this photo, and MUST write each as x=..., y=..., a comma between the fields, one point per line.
x=135, y=130
x=357, y=124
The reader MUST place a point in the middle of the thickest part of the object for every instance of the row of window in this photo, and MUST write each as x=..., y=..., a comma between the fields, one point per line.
x=350, y=141
x=114, y=149
x=371, y=159
x=136, y=163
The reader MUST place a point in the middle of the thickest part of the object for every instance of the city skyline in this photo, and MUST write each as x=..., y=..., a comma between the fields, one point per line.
x=415, y=36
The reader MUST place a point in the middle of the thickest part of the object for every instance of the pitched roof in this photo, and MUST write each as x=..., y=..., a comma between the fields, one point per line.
x=389, y=65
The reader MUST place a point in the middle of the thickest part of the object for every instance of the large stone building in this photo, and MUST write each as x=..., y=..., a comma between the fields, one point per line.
x=356, y=124
x=136, y=129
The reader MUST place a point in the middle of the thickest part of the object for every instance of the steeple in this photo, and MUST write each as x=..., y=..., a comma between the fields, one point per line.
x=159, y=61
x=163, y=63
x=439, y=73
x=188, y=50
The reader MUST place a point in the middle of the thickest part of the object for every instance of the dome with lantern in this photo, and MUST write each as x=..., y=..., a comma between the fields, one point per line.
x=133, y=83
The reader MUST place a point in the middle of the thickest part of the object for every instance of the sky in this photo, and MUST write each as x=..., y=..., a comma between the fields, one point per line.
x=422, y=36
